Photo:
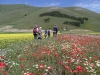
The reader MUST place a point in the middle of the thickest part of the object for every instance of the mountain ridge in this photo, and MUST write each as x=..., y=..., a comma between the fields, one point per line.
x=23, y=16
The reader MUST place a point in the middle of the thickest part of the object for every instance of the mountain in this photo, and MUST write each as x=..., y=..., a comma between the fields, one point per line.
x=25, y=17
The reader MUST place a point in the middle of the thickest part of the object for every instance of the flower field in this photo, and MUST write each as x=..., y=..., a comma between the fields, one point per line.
x=67, y=54
x=7, y=39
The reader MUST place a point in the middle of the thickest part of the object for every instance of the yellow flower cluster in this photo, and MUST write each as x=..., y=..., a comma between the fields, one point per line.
x=7, y=39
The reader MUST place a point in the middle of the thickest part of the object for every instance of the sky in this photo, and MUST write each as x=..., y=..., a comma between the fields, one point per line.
x=93, y=5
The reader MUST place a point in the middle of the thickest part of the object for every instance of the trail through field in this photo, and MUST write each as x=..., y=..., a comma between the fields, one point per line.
x=10, y=28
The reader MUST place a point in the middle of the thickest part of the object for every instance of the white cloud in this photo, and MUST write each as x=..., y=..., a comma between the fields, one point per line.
x=48, y=4
x=91, y=5
x=53, y=4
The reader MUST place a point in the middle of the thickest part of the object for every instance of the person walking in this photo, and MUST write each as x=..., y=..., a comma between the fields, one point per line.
x=40, y=33
x=55, y=30
x=48, y=31
x=35, y=32
x=45, y=33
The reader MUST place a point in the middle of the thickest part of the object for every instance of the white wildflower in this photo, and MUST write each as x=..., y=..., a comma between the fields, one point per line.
x=98, y=63
x=46, y=70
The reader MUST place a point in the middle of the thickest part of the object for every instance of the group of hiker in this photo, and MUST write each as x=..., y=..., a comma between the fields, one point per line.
x=37, y=32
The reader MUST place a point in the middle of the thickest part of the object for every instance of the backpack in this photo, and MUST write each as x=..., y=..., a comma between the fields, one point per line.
x=55, y=29
x=48, y=31
x=35, y=30
x=45, y=31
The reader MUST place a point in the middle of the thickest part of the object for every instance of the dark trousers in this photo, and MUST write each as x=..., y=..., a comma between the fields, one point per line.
x=35, y=36
x=48, y=35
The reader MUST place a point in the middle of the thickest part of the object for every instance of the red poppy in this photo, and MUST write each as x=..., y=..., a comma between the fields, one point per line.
x=79, y=68
x=95, y=57
x=31, y=73
x=2, y=57
x=59, y=63
x=5, y=72
x=66, y=67
x=70, y=71
x=32, y=54
x=22, y=66
x=1, y=64
x=89, y=61
x=75, y=71
x=21, y=59
x=85, y=70
x=69, y=61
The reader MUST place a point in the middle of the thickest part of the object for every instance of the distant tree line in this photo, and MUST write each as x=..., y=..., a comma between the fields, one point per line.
x=73, y=23
x=80, y=20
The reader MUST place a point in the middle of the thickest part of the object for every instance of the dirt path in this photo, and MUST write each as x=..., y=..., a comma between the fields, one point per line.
x=10, y=28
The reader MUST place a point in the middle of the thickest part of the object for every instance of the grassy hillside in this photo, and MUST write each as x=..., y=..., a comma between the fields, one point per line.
x=12, y=13
x=25, y=17
x=94, y=18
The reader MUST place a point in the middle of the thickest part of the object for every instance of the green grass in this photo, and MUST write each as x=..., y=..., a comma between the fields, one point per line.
x=15, y=15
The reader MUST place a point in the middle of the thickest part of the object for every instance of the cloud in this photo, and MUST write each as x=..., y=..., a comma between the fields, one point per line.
x=47, y=4
x=53, y=4
x=91, y=5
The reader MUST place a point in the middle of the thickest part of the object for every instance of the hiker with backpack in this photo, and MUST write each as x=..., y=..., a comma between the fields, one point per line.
x=35, y=32
x=48, y=32
x=55, y=30
x=45, y=33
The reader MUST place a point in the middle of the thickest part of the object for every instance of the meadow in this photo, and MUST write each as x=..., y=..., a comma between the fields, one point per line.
x=66, y=54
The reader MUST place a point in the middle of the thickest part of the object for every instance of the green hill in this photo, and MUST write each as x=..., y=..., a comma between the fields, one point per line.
x=25, y=17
